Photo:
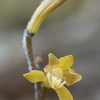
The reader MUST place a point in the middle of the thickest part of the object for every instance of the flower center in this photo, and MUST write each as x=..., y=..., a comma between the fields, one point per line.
x=58, y=72
x=55, y=78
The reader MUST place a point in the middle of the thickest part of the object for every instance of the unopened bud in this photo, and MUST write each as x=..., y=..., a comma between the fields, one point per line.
x=44, y=9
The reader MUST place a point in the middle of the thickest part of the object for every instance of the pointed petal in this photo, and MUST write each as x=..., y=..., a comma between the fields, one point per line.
x=35, y=76
x=53, y=62
x=71, y=76
x=63, y=93
x=66, y=62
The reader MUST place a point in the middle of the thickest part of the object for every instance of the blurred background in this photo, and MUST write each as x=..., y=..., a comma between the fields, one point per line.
x=73, y=28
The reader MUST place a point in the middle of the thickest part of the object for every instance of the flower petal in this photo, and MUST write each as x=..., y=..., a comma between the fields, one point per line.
x=63, y=93
x=35, y=76
x=53, y=62
x=71, y=76
x=66, y=62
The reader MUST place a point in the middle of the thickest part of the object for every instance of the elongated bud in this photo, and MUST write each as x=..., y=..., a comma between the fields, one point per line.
x=44, y=9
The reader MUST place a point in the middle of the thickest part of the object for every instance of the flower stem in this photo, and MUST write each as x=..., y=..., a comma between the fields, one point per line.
x=27, y=45
x=40, y=91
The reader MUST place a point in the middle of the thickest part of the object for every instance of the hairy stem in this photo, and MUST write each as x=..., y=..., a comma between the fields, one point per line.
x=40, y=90
x=27, y=45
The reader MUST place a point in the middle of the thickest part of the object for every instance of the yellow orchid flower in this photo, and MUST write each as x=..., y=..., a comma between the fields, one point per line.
x=58, y=73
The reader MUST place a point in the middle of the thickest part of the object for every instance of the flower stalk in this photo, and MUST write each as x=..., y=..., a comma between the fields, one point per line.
x=39, y=91
x=27, y=45
x=52, y=78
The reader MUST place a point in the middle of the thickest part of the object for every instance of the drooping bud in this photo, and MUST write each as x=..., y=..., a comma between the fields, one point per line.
x=44, y=9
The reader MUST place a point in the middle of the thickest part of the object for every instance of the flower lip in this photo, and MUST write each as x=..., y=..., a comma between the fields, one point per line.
x=55, y=78
x=58, y=72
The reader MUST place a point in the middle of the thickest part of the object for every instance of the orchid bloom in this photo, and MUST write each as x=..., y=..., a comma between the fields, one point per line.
x=58, y=73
